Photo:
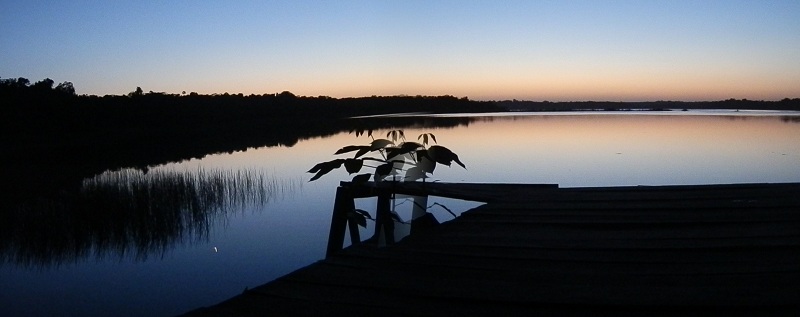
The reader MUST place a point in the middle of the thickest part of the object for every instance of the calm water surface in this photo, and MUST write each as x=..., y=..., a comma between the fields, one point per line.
x=167, y=258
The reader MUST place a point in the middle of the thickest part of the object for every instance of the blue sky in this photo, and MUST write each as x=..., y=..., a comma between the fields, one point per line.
x=533, y=50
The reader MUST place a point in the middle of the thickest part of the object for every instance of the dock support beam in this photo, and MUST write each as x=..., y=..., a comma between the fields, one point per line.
x=384, y=224
x=342, y=207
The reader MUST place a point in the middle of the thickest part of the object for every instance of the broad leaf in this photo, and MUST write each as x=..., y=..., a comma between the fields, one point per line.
x=443, y=155
x=404, y=148
x=410, y=146
x=392, y=152
x=324, y=168
x=362, y=151
x=361, y=178
x=353, y=165
x=426, y=164
x=351, y=148
x=415, y=173
x=358, y=217
x=363, y=213
x=379, y=144
x=330, y=165
x=397, y=165
x=383, y=171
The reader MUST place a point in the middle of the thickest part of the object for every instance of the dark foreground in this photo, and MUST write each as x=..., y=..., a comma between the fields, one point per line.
x=656, y=251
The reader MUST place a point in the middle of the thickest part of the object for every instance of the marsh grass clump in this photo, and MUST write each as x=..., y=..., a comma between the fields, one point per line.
x=130, y=213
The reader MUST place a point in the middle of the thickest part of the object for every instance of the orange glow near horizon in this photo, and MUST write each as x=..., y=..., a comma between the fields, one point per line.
x=536, y=87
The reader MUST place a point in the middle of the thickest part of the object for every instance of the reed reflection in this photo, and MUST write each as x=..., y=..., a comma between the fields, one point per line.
x=132, y=214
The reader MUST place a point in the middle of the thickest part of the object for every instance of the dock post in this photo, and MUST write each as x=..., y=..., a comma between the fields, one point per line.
x=341, y=207
x=420, y=206
x=384, y=224
x=352, y=225
x=420, y=218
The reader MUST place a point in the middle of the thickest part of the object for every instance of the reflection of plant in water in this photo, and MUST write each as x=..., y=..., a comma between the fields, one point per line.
x=130, y=213
x=391, y=158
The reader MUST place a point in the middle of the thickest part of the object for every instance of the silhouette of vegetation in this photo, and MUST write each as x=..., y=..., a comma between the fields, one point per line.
x=53, y=138
x=392, y=158
x=521, y=105
x=130, y=214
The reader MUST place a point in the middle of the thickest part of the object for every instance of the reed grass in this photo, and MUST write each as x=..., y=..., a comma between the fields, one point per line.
x=130, y=213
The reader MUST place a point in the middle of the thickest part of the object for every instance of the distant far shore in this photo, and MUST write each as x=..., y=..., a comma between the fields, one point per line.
x=733, y=104
x=52, y=135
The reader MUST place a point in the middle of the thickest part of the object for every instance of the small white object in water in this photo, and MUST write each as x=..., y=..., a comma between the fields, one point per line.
x=215, y=249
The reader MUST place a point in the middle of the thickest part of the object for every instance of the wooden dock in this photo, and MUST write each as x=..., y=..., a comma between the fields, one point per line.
x=542, y=250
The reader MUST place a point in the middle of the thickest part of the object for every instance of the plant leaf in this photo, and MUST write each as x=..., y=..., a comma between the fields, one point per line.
x=358, y=217
x=396, y=217
x=410, y=146
x=330, y=165
x=379, y=144
x=443, y=155
x=361, y=178
x=363, y=213
x=353, y=165
x=395, y=134
x=392, y=152
x=362, y=151
x=351, y=148
x=383, y=171
x=404, y=148
x=455, y=158
x=426, y=164
x=325, y=168
x=414, y=173
x=397, y=165
x=425, y=136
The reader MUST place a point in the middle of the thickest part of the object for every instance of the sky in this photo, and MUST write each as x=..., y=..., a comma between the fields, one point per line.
x=485, y=50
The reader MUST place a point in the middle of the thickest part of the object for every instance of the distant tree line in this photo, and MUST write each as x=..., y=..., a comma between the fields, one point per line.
x=44, y=123
x=523, y=105
x=45, y=113
x=51, y=135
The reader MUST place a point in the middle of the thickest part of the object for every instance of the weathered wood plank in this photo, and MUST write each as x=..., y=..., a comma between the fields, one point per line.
x=540, y=250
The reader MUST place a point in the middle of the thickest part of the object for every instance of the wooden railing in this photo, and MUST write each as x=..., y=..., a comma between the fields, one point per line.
x=344, y=212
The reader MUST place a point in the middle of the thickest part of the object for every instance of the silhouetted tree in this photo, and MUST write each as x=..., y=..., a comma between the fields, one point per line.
x=23, y=82
x=66, y=88
x=287, y=95
x=136, y=93
x=43, y=86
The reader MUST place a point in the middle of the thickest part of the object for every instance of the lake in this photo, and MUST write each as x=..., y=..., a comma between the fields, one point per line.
x=188, y=234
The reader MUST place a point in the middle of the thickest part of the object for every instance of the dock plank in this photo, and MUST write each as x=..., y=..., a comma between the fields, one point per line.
x=653, y=250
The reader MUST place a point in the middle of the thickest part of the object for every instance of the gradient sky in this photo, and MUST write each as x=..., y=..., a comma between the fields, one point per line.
x=531, y=50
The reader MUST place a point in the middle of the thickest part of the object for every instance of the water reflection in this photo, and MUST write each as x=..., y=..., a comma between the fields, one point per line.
x=130, y=213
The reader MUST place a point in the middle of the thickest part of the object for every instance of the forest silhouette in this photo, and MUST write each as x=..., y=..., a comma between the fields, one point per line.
x=50, y=134
x=54, y=140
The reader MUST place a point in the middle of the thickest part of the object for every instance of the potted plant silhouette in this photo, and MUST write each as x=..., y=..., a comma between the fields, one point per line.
x=406, y=161
x=410, y=161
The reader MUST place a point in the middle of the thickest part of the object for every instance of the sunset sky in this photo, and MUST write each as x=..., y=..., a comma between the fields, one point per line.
x=485, y=50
